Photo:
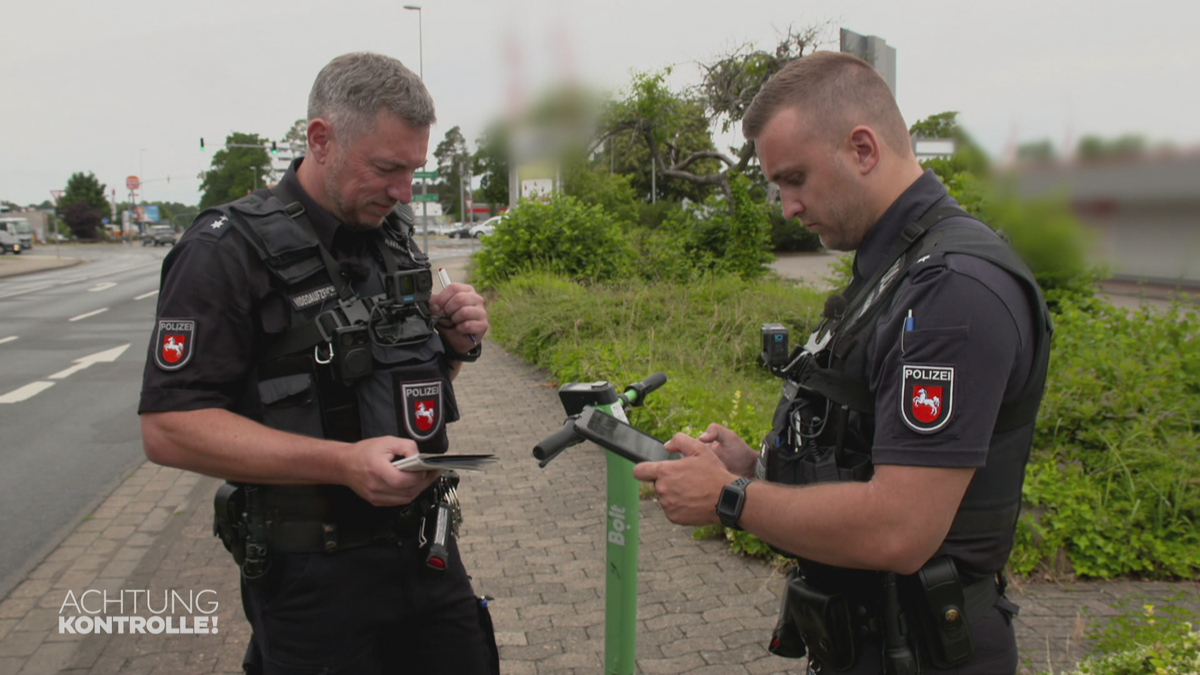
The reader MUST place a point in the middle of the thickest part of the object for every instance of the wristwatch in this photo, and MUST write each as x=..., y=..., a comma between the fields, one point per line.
x=469, y=357
x=731, y=501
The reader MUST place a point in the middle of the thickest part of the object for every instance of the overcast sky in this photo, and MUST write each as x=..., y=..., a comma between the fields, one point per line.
x=124, y=87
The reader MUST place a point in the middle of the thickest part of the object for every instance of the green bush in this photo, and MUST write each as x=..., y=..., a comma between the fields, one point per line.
x=562, y=236
x=717, y=238
x=1113, y=481
x=791, y=234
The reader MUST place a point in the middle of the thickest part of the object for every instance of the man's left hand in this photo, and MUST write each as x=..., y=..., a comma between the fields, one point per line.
x=688, y=488
x=463, y=315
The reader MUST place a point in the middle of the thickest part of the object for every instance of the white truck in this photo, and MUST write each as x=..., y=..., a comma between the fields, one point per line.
x=15, y=235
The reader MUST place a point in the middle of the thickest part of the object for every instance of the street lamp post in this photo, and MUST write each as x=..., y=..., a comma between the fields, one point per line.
x=421, y=71
x=420, y=41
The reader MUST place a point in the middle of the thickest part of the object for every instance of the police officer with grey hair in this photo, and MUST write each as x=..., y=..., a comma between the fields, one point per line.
x=300, y=348
x=893, y=469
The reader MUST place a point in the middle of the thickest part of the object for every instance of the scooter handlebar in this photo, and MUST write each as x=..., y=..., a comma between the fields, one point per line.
x=555, y=443
x=646, y=386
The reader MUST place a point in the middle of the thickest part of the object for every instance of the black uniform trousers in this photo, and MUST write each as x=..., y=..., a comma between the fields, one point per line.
x=371, y=610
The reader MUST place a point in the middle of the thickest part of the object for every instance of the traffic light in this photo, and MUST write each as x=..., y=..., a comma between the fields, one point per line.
x=201, y=144
x=274, y=150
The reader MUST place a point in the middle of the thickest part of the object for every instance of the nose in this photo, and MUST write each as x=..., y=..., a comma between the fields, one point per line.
x=400, y=190
x=792, y=207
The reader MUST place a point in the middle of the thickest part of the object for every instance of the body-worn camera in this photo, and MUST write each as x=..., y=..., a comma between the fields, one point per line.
x=399, y=316
x=774, y=345
x=344, y=329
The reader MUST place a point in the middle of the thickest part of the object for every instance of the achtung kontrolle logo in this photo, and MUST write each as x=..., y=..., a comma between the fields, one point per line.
x=133, y=611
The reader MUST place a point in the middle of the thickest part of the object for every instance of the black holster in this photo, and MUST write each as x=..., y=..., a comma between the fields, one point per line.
x=825, y=622
x=228, y=504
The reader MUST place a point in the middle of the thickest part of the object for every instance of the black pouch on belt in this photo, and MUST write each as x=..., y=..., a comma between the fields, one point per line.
x=947, y=633
x=785, y=639
x=825, y=622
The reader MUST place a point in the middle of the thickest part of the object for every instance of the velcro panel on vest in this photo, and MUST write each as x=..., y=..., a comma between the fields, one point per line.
x=291, y=253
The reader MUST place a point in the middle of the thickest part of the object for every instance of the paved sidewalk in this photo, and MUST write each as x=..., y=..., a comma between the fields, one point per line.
x=533, y=540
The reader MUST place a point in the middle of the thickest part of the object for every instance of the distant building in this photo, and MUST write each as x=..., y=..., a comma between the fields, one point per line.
x=1144, y=212
x=875, y=51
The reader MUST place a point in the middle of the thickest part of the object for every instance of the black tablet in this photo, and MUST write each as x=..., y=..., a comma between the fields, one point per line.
x=611, y=433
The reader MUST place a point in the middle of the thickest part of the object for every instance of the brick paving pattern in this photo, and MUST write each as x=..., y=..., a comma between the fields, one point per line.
x=533, y=540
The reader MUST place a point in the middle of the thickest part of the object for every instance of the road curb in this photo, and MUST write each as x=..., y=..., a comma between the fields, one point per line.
x=15, y=266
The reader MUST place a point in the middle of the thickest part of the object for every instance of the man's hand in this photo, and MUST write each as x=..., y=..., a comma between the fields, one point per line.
x=368, y=470
x=688, y=488
x=735, y=453
x=463, y=315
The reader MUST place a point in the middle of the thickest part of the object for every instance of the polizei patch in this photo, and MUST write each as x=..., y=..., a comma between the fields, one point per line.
x=174, y=343
x=422, y=408
x=927, y=397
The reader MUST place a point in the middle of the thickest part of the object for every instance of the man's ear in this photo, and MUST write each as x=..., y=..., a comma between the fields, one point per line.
x=320, y=137
x=864, y=145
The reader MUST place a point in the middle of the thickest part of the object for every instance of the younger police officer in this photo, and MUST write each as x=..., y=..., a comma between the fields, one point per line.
x=299, y=349
x=894, y=467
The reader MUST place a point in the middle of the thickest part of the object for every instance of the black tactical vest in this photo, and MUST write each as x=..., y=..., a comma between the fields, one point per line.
x=823, y=426
x=295, y=388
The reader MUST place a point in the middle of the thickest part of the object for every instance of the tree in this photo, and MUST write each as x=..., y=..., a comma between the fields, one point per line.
x=235, y=170
x=1094, y=147
x=452, y=157
x=297, y=136
x=83, y=220
x=1038, y=151
x=491, y=164
x=86, y=189
x=729, y=84
x=968, y=156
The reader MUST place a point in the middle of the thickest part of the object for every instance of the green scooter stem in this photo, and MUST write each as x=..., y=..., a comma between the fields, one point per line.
x=621, y=561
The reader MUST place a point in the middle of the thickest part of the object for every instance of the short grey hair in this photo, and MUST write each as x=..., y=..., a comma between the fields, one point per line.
x=352, y=89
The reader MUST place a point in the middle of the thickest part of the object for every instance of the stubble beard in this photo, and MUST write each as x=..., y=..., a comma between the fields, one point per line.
x=345, y=211
x=848, y=215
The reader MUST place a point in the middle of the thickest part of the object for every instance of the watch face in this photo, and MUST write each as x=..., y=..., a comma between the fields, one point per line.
x=730, y=500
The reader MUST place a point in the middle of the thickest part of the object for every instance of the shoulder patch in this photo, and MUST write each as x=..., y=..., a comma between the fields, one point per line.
x=926, y=397
x=174, y=343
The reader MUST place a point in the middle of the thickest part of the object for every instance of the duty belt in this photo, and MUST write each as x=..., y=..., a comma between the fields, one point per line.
x=324, y=519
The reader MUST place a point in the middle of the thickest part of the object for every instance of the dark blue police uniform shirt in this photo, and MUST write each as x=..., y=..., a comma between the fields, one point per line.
x=969, y=315
x=215, y=279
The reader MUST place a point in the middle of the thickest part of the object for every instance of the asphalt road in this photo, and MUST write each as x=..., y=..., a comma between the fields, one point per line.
x=72, y=345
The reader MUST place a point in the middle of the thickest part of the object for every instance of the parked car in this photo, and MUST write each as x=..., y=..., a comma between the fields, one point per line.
x=486, y=227
x=460, y=233
x=159, y=235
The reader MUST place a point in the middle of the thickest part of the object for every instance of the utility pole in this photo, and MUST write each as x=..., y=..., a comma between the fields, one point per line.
x=462, y=192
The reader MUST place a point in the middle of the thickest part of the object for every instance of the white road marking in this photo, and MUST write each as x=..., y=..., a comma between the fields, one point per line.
x=34, y=388
x=106, y=356
x=28, y=391
x=92, y=313
x=143, y=296
x=10, y=338
x=102, y=286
